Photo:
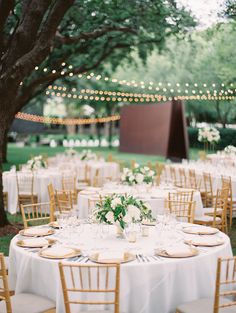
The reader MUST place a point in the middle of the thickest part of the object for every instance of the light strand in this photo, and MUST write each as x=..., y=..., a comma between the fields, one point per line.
x=65, y=121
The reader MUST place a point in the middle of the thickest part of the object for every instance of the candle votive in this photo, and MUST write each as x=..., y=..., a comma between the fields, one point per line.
x=132, y=236
x=145, y=231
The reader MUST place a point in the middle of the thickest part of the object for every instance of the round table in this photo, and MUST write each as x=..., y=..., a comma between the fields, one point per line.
x=145, y=287
x=155, y=196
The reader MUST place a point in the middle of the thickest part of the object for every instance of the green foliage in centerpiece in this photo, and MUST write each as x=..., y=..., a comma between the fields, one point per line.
x=138, y=175
x=122, y=210
x=87, y=155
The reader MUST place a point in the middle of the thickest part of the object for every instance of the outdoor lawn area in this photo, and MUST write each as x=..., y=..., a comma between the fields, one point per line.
x=20, y=155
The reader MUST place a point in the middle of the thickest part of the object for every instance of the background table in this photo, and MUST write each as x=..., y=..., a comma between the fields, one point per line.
x=155, y=197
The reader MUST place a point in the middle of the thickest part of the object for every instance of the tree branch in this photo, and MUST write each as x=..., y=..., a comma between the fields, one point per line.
x=93, y=35
x=5, y=8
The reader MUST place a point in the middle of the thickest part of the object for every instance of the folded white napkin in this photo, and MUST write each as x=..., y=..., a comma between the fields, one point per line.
x=36, y=231
x=58, y=251
x=180, y=250
x=35, y=242
x=111, y=255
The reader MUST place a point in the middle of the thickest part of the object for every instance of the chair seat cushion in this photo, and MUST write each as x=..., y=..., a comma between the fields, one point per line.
x=28, y=303
x=211, y=210
x=207, y=218
x=204, y=306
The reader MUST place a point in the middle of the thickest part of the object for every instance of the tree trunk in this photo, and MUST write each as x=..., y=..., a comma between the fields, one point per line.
x=110, y=134
x=4, y=149
x=3, y=216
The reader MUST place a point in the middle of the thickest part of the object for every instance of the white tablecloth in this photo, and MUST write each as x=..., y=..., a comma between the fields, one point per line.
x=43, y=177
x=41, y=181
x=155, y=197
x=156, y=286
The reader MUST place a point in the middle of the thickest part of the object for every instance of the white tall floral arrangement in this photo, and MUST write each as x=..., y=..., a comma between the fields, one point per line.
x=138, y=175
x=36, y=163
x=208, y=135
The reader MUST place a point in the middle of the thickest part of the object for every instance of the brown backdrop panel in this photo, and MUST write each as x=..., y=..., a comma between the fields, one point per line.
x=145, y=128
x=154, y=129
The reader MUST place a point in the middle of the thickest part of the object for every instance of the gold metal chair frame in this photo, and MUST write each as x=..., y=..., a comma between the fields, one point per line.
x=83, y=283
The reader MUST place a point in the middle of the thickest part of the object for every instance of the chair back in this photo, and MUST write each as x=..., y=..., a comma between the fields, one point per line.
x=52, y=200
x=183, y=210
x=183, y=196
x=209, y=197
x=193, y=181
x=90, y=285
x=4, y=289
x=37, y=213
x=225, y=280
x=221, y=202
x=25, y=183
x=69, y=183
x=182, y=178
x=64, y=200
x=173, y=174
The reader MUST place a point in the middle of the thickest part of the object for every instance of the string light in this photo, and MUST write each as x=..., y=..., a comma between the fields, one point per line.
x=65, y=121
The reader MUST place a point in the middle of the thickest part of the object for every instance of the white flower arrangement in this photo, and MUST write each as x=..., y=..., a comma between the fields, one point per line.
x=139, y=175
x=36, y=163
x=208, y=134
x=87, y=155
x=71, y=152
x=230, y=149
x=122, y=210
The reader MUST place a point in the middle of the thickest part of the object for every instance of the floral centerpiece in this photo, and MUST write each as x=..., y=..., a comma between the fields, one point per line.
x=208, y=135
x=122, y=210
x=138, y=175
x=87, y=155
x=230, y=149
x=36, y=163
x=71, y=152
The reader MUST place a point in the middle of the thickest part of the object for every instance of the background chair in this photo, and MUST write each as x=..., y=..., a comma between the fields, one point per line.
x=37, y=213
x=183, y=210
x=95, y=281
x=225, y=277
x=25, y=188
x=64, y=200
x=22, y=302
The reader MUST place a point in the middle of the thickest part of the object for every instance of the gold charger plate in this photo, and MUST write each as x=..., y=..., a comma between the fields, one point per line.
x=128, y=257
x=43, y=254
x=49, y=232
x=205, y=244
x=208, y=230
x=20, y=243
x=163, y=253
x=54, y=225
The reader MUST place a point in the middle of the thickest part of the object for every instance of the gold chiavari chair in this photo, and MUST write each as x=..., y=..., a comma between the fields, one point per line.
x=183, y=210
x=225, y=292
x=110, y=158
x=208, y=195
x=132, y=164
x=100, y=284
x=149, y=164
x=36, y=213
x=202, y=155
x=69, y=183
x=160, y=169
x=182, y=178
x=92, y=201
x=64, y=200
x=21, y=302
x=216, y=216
x=227, y=183
x=173, y=175
x=194, y=183
x=183, y=196
x=25, y=188
x=5, y=199
x=97, y=179
x=52, y=200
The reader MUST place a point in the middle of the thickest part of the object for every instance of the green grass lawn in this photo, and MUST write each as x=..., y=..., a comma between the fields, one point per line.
x=18, y=155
